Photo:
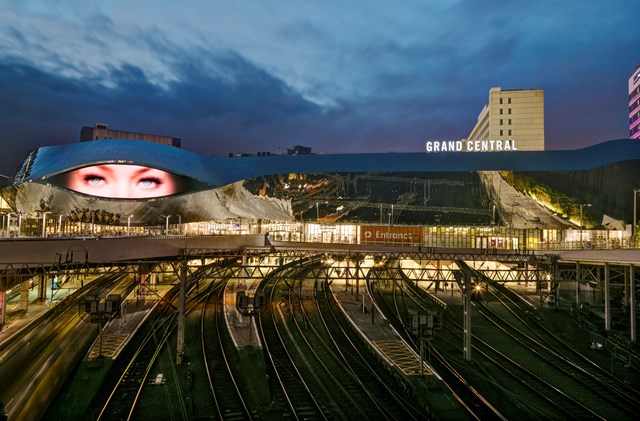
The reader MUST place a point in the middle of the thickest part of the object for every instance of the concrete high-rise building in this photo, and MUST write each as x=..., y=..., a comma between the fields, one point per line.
x=512, y=115
x=102, y=132
x=634, y=104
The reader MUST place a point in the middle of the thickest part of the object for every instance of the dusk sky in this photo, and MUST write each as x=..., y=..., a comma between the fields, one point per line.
x=337, y=76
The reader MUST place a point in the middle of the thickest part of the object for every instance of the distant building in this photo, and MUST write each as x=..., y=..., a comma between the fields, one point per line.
x=102, y=132
x=634, y=104
x=299, y=150
x=516, y=115
x=243, y=154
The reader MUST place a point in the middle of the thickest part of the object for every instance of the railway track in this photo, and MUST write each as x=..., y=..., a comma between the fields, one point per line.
x=219, y=355
x=344, y=362
x=594, y=386
x=301, y=388
x=378, y=382
x=398, y=312
x=522, y=360
x=125, y=395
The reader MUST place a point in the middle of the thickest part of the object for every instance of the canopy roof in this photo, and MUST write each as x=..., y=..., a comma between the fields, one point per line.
x=211, y=171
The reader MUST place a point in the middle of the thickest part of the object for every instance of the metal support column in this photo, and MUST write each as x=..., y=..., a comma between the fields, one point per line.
x=183, y=280
x=3, y=306
x=578, y=281
x=632, y=301
x=467, y=316
x=42, y=288
x=554, y=284
x=625, y=289
x=607, y=297
x=357, y=276
x=24, y=295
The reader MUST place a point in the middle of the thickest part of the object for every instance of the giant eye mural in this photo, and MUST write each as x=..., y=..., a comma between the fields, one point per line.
x=142, y=182
x=117, y=181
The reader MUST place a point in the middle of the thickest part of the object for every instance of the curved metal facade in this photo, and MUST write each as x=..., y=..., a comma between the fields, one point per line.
x=214, y=171
x=34, y=187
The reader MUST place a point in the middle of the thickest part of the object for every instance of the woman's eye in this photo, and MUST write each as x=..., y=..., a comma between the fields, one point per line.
x=94, y=180
x=149, y=183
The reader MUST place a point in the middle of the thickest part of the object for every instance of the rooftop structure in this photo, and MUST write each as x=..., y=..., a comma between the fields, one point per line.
x=103, y=132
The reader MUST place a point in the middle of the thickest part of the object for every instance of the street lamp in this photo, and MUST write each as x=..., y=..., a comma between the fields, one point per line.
x=581, y=206
x=179, y=224
x=166, y=227
x=44, y=223
x=581, y=221
x=129, y=225
x=60, y=225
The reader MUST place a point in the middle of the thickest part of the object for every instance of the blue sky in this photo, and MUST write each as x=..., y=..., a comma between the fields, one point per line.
x=338, y=76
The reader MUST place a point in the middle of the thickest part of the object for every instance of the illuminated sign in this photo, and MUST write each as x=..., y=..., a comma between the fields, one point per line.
x=381, y=234
x=471, y=145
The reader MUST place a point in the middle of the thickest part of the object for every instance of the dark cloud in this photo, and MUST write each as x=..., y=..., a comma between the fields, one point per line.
x=412, y=90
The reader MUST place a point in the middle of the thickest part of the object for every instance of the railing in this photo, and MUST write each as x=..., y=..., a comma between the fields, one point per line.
x=480, y=237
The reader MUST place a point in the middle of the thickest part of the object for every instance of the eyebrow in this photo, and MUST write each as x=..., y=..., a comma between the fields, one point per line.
x=101, y=167
x=143, y=170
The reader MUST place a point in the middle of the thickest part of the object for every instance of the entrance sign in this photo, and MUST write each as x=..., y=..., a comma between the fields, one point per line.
x=386, y=234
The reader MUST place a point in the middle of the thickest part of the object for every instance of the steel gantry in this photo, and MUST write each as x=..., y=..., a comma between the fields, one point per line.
x=607, y=290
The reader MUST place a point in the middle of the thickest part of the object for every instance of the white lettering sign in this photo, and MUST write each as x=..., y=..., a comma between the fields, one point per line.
x=471, y=145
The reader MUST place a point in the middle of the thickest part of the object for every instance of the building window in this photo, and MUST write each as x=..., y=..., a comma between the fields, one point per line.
x=509, y=121
x=500, y=100
x=501, y=132
x=501, y=122
x=509, y=110
x=500, y=111
x=508, y=100
x=509, y=132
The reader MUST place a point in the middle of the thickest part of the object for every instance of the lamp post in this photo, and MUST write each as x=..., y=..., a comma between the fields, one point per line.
x=392, y=213
x=179, y=224
x=60, y=225
x=44, y=223
x=581, y=221
x=129, y=225
x=166, y=226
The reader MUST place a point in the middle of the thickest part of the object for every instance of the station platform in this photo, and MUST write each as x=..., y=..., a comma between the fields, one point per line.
x=244, y=334
x=367, y=318
x=119, y=331
x=20, y=316
x=241, y=327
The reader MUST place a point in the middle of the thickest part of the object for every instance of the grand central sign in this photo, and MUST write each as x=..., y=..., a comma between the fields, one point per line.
x=471, y=145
